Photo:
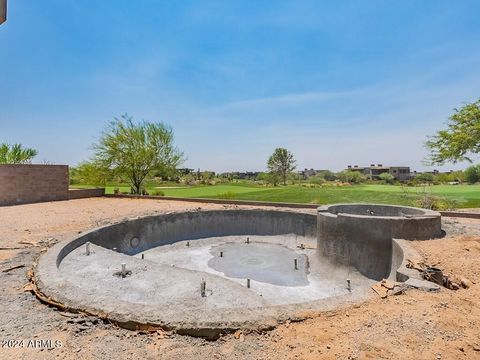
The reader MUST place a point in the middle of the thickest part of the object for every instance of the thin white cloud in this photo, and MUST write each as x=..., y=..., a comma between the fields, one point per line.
x=287, y=99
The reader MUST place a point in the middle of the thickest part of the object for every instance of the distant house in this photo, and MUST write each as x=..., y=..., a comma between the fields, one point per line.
x=248, y=175
x=185, y=171
x=401, y=173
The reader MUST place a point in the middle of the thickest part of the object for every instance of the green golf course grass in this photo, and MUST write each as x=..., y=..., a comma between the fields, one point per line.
x=464, y=196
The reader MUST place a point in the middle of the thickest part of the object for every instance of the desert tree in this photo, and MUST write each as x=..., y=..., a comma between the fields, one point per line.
x=281, y=163
x=16, y=154
x=460, y=140
x=133, y=150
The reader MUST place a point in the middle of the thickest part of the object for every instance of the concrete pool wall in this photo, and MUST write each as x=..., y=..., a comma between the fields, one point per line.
x=360, y=235
x=137, y=235
x=340, y=246
x=365, y=243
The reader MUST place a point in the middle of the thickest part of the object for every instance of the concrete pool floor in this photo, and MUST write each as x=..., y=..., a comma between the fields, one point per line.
x=268, y=261
x=164, y=287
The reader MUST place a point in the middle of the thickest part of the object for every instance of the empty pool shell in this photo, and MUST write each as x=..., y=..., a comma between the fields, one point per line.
x=344, y=236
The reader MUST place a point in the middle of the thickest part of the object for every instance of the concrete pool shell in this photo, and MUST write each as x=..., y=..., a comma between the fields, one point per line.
x=171, y=255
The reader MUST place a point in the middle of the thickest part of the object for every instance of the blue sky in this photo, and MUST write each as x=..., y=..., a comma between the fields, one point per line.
x=337, y=83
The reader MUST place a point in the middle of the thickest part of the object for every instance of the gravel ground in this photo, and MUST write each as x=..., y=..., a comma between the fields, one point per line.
x=415, y=325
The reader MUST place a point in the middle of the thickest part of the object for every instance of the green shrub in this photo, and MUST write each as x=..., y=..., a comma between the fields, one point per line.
x=352, y=177
x=318, y=180
x=387, y=178
x=437, y=203
x=472, y=174
x=158, y=193
x=425, y=178
x=327, y=175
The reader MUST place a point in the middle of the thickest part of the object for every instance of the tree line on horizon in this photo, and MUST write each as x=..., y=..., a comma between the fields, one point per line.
x=135, y=151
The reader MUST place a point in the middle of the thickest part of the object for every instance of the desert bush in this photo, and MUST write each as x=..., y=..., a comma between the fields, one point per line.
x=425, y=178
x=327, y=175
x=188, y=179
x=387, y=178
x=317, y=179
x=472, y=174
x=431, y=202
x=352, y=177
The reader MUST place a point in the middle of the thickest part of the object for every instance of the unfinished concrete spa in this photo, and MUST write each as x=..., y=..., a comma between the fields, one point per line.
x=206, y=272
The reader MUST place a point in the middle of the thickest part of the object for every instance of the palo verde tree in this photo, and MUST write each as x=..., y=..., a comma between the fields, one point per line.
x=281, y=163
x=460, y=140
x=133, y=150
x=16, y=154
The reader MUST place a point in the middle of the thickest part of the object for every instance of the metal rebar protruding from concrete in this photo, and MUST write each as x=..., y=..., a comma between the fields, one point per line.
x=221, y=253
x=295, y=263
x=87, y=248
x=349, y=286
x=248, y=283
x=124, y=269
x=203, y=288
x=248, y=240
x=143, y=256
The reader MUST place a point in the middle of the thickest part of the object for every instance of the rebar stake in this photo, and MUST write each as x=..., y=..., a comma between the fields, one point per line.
x=87, y=246
x=203, y=288
x=124, y=269
x=188, y=243
x=248, y=283
x=295, y=263
x=349, y=287
x=248, y=240
x=143, y=256
x=221, y=253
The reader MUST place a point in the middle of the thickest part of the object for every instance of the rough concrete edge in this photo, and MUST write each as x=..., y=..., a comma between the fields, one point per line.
x=409, y=276
x=427, y=212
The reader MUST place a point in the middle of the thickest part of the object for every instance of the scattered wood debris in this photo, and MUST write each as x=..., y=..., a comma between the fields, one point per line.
x=387, y=287
x=437, y=276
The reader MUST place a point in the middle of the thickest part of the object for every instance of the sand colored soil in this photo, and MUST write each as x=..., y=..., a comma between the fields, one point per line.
x=414, y=325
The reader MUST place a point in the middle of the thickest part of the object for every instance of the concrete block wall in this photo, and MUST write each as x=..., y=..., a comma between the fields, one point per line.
x=27, y=183
x=85, y=193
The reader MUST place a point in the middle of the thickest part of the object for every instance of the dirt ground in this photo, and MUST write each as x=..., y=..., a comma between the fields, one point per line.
x=414, y=325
